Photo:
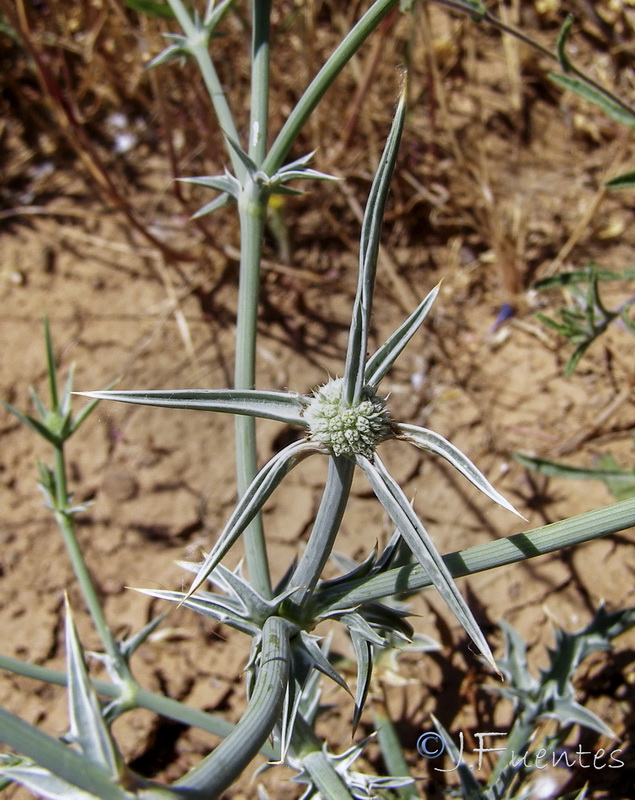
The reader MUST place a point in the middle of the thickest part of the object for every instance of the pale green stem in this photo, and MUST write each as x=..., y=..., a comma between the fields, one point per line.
x=57, y=757
x=221, y=768
x=325, y=528
x=259, y=118
x=93, y=602
x=349, y=45
x=221, y=107
x=137, y=698
x=183, y=17
x=392, y=750
x=482, y=557
x=518, y=740
x=251, y=209
x=212, y=83
x=307, y=748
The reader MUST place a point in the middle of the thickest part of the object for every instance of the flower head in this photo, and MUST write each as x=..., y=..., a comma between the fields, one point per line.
x=345, y=429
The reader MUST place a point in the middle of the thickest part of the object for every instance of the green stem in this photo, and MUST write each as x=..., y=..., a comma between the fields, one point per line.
x=221, y=768
x=323, y=81
x=141, y=698
x=325, y=778
x=251, y=209
x=199, y=49
x=482, y=557
x=64, y=520
x=259, y=119
x=183, y=18
x=325, y=528
x=221, y=107
x=392, y=749
x=58, y=758
x=518, y=741
x=307, y=749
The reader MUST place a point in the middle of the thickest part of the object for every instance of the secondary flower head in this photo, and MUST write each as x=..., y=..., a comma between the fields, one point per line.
x=347, y=430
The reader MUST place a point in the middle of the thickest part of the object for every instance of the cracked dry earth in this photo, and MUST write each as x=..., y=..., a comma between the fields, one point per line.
x=160, y=483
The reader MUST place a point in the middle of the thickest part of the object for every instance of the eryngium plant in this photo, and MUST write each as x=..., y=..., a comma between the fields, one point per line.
x=345, y=421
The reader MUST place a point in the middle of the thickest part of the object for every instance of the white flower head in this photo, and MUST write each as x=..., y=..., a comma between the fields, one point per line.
x=347, y=430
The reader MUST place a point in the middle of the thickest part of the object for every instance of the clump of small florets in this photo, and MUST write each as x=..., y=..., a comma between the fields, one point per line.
x=347, y=430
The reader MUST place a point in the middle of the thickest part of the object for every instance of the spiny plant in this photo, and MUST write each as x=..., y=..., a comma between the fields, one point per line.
x=345, y=421
x=587, y=316
x=539, y=701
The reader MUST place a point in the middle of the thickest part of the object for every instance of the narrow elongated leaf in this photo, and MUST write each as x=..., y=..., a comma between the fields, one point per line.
x=221, y=183
x=62, y=761
x=83, y=415
x=392, y=751
x=383, y=359
x=300, y=169
x=279, y=406
x=583, y=276
x=561, y=44
x=435, y=443
x=257, y=607
x=555, y=469
x=248, y=163
x=220, y=609
x=364, y=657
x=471, y=787
x=357, y=570
x=391, y=496
x=358, y=625
x=35, y=424
x=308, y=644
x=625, y=181
x=312, y=689
x=215, y=13
x=221, y=201
x=171, y=53
x=595, y=96
x=514, y=663
x=303, y=690
x=65, y=402
x=44, y=784
x=390, y=621
x=38, y=403
x=51, y=367
x=252, y=501
x=87, y=727
x=368, y=254
x=567, y=711
x=290, y=708
x=298, y=162
x=130, y=645
x=303, y=174
x=151, y=7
